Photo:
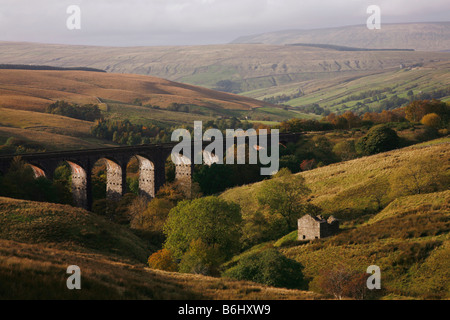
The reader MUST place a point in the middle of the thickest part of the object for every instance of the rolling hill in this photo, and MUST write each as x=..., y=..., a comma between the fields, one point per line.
x=433, y=36
x=34, y=90
x=25, y=95
x=343, y=92
x=244, y=67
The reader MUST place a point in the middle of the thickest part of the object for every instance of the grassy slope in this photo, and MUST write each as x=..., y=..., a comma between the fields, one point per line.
x=38, y=241
x=34, y=90
x=348, y=187
x=68, y=228
x=52, y=141
x=409, y=239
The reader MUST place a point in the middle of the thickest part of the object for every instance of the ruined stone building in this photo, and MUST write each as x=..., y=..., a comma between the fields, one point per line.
x=310, y=228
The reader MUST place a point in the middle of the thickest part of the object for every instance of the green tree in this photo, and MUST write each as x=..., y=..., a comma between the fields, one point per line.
x=380, y=138
x=214, y=221
x=213, y=179
x=345, y=150
x=285, y=194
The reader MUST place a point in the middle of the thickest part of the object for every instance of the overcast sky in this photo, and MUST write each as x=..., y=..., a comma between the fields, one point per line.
x=182, y=22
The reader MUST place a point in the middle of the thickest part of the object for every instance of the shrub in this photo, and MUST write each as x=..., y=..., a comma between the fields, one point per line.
x=162, y=260
x=269, y=267
x=153, y=217
x=431, y=120
x=345, y=150
x=343, y=282
x=202, y=258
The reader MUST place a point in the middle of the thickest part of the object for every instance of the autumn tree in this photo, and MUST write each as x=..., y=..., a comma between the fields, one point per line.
x=431, y=120
x=416, y=110
x=162, y=260
x=153, y=217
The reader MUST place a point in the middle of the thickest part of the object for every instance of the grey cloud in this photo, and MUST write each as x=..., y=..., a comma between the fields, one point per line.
x=170, y=22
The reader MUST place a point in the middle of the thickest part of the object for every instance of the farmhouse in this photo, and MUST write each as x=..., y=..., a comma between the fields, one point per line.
x=310, y=228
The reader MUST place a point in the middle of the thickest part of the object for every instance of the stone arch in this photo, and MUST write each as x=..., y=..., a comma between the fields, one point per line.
x=147, y=186
x=38, y=172
x=115, y=180
x=81, y=185
x=115, y=177
x=183, y=171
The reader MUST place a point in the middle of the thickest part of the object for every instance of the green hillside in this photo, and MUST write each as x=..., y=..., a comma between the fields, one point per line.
x=410, y=243
x=407, y=236
x=353, y=188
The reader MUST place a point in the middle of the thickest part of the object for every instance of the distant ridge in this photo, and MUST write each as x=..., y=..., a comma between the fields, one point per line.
x=342, y=48
x=426, y=36
x=51, y=68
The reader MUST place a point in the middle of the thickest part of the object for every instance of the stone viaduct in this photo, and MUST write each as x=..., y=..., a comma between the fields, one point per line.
x=152, y=159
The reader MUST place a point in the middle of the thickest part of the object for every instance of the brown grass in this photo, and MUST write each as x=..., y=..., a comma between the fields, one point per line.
x=30, y=271
x=34, y=90
x=52, y=141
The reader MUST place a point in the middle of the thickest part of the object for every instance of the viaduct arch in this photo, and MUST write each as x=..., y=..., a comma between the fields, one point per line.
x=151, y=158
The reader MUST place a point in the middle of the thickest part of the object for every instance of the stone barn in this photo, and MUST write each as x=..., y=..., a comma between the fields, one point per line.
x=310, y=228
